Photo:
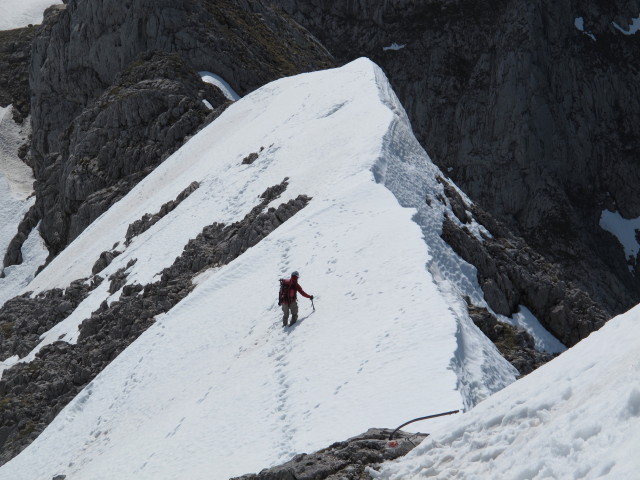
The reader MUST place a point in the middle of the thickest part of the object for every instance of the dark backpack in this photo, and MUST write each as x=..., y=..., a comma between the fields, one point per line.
x=283, y=295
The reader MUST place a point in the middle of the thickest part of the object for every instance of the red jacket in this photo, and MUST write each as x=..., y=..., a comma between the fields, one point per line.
x=295, y=287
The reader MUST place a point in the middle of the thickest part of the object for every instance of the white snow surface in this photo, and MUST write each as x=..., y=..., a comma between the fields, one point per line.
x=17, y=277
x=221, y=83
x=216, y=387
x=16, y=189
x=16, y=174
x=394, y=46
x=624, y=229
x=14, y=179
x=577, y=417
x=20, y=13
x=579, y=24
x=633, y=27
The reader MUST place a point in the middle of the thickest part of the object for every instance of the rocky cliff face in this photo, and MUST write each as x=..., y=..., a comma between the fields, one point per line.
x=15, y=55
x=105, y=109
x=534, y=118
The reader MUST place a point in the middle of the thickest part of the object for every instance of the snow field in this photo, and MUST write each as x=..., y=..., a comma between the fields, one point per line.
x=16, y=188
x=20, y=13
x=576, y=417
x=405, y=169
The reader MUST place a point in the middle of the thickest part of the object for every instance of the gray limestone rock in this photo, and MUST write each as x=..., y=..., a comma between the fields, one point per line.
x=347, y=460
x=515, y=344
x=148, y=220
x=13, y=255
x=23, y=319
x=150, y=110
x=15, y=57
x=104, y=261
x=512, y=274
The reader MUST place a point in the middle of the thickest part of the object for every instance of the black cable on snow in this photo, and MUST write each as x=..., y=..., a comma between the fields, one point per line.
x=421, y=418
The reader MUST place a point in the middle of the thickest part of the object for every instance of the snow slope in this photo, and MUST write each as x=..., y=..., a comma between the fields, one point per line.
x=217, y=387
x=20, y=13
x=16, y=189
x=577, y=417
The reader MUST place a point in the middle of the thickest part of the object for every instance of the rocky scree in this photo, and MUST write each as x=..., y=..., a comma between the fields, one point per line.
x=348, y=460
x=33, y=393
x=535, y=121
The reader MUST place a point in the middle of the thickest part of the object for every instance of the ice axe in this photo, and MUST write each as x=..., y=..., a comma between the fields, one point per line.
x=314, y=307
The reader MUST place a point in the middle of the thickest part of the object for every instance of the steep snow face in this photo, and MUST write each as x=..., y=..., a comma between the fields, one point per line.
x=16, y=188
x=216, y=387
x=20, y=13
x=576, y=417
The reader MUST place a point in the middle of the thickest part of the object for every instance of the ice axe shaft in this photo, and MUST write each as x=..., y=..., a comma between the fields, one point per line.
x=314, y=307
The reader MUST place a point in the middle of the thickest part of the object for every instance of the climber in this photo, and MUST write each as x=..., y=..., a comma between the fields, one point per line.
x=287, y=298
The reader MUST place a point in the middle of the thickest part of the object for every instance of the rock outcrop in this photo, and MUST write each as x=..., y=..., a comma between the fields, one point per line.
x=535, y=119
x=515, y=344
x=347, y=460
x=511, y=274
x=15, y=56
x=23, y=319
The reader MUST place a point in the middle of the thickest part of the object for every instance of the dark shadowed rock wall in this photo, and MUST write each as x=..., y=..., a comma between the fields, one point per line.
x=15, y=55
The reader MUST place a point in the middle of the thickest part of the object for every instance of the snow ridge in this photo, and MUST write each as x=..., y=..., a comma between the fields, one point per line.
x=406, y=170
x=389, y=331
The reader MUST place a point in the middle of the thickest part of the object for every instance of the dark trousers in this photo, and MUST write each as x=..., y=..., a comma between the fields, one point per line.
x=289, y=307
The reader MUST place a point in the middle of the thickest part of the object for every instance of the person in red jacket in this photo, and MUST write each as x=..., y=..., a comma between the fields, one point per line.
x=289, y=302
